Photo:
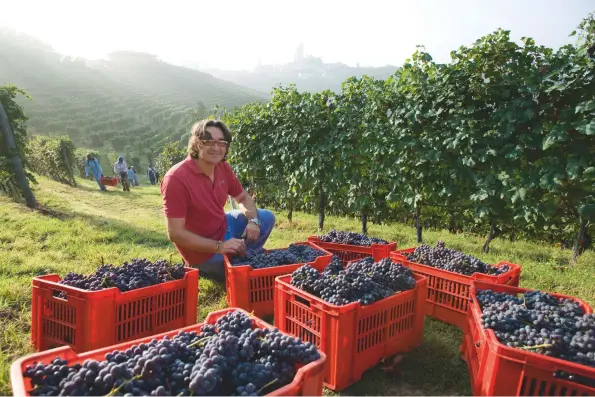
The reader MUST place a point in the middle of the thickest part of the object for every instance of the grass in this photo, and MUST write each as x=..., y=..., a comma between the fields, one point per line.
x=80, y=227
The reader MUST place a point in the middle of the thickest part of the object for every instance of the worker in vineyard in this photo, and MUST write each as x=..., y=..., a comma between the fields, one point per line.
x=92, y=164
x=151, y=175
x=135, y=176
x=194, y=195
x=130, y=176
x=121, y=169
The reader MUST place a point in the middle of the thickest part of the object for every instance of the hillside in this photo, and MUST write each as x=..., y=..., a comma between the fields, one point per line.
x=81, y=226
x=308, y=74
x=130, y=100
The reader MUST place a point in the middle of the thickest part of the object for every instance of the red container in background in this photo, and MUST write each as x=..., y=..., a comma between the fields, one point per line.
x=253, y=289
x=349, y=253
x=448, y=292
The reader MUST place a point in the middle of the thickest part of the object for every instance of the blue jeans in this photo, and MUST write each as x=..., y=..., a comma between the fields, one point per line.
x=236, y=223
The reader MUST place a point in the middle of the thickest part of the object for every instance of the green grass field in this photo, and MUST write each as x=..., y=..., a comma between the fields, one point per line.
x=79, y=227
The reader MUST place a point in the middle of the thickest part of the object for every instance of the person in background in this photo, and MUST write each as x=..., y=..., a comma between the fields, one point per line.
x=121, y=169
x=130, y=176
x=156, y=175
x=135, y=177
x=151, y=175
x=93, y=164
x=194, y=195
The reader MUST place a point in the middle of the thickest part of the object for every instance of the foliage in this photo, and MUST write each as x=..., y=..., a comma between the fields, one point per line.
x=500, y=140
x=170, y=156
x=127, y=103
x=17, y=119
x=53, y=157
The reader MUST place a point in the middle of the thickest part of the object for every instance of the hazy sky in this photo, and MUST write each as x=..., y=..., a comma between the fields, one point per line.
x=233, y=34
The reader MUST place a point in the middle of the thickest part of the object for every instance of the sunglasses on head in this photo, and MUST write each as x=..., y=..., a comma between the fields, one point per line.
x=210, y=142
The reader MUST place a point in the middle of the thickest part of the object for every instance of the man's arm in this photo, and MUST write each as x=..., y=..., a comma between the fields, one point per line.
x=177, y=233
x=247, y=205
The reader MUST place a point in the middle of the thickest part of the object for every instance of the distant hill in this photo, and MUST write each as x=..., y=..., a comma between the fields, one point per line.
x=132, y=101
x=308, y=74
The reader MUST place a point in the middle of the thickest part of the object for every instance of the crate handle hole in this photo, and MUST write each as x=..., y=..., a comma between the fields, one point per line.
x=303, y=301
x=57, y=294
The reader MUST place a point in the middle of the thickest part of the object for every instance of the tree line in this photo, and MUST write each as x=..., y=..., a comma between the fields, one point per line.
x=500, y=141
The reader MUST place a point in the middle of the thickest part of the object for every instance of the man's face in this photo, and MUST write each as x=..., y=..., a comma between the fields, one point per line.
x=210, y=150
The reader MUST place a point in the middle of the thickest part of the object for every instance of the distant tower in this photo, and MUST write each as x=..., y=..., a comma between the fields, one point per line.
x=299, y=53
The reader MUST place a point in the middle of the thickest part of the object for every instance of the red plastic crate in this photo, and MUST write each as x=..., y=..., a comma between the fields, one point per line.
x=499, y=370
x=253, y=289
x=448, y=292
x=349, y=253
x=89, y=320
x=354, y=337
x=307, y=381
x=104, y=180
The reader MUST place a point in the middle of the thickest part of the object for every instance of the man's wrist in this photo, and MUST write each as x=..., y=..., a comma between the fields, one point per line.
x=255, y=220
x=218, y=246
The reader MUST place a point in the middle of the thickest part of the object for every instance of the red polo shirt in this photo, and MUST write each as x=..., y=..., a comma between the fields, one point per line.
x=189, y=193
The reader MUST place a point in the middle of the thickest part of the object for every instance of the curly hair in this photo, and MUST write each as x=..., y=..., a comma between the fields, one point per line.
x=199, y=132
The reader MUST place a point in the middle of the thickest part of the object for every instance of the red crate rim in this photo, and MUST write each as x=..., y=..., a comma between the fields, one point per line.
x=285, y=280
x=511, y=352
x=230, y=267
x=514, y=268
x=46, y=280
x=18, y=380
x=316, y=239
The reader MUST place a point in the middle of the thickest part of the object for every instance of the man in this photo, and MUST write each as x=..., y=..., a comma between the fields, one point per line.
x=120, y=168
x=93, y=164
x=130, y=176
x=151, y=175
x=194, y=195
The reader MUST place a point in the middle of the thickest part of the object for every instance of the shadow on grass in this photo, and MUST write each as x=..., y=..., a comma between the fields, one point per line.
x=125, y=231
x=433, y=368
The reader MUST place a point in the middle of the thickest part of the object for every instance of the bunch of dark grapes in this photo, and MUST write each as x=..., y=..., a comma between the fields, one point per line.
x=260, y=259
x=541, y=323
x=452, y=260
x=351, y=238
x=138, y=273
x=364, y=281
x=227, y=358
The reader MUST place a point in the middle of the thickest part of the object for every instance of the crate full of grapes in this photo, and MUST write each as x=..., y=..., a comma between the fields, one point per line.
x=349, y=246
x=522, y=342
x=356, y=315
x=212, y=358
x=450, y=274
x=250, y=279
x=113, y=305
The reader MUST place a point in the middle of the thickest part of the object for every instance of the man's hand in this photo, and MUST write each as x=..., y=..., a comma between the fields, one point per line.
x=233, y=246
x=252, y=232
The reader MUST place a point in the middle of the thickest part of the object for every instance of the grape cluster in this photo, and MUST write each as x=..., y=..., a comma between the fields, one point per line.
x=452, y=260
x=351, y=238
x=260, y=258
x=364, y=281
x=541, y=323
x=228, y=358
x=138, y=273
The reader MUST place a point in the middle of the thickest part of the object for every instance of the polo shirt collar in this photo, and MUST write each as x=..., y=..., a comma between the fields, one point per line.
x=194, y=167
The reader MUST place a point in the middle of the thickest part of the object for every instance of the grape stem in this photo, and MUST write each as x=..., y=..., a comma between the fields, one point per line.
x=545, y=345
x=267, y=385
x=117, y=389
x=198, y=341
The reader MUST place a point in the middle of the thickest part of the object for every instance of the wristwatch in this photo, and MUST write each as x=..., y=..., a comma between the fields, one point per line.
x=255, y=221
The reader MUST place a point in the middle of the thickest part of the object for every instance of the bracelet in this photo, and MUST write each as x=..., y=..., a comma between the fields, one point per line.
x=218, y=246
